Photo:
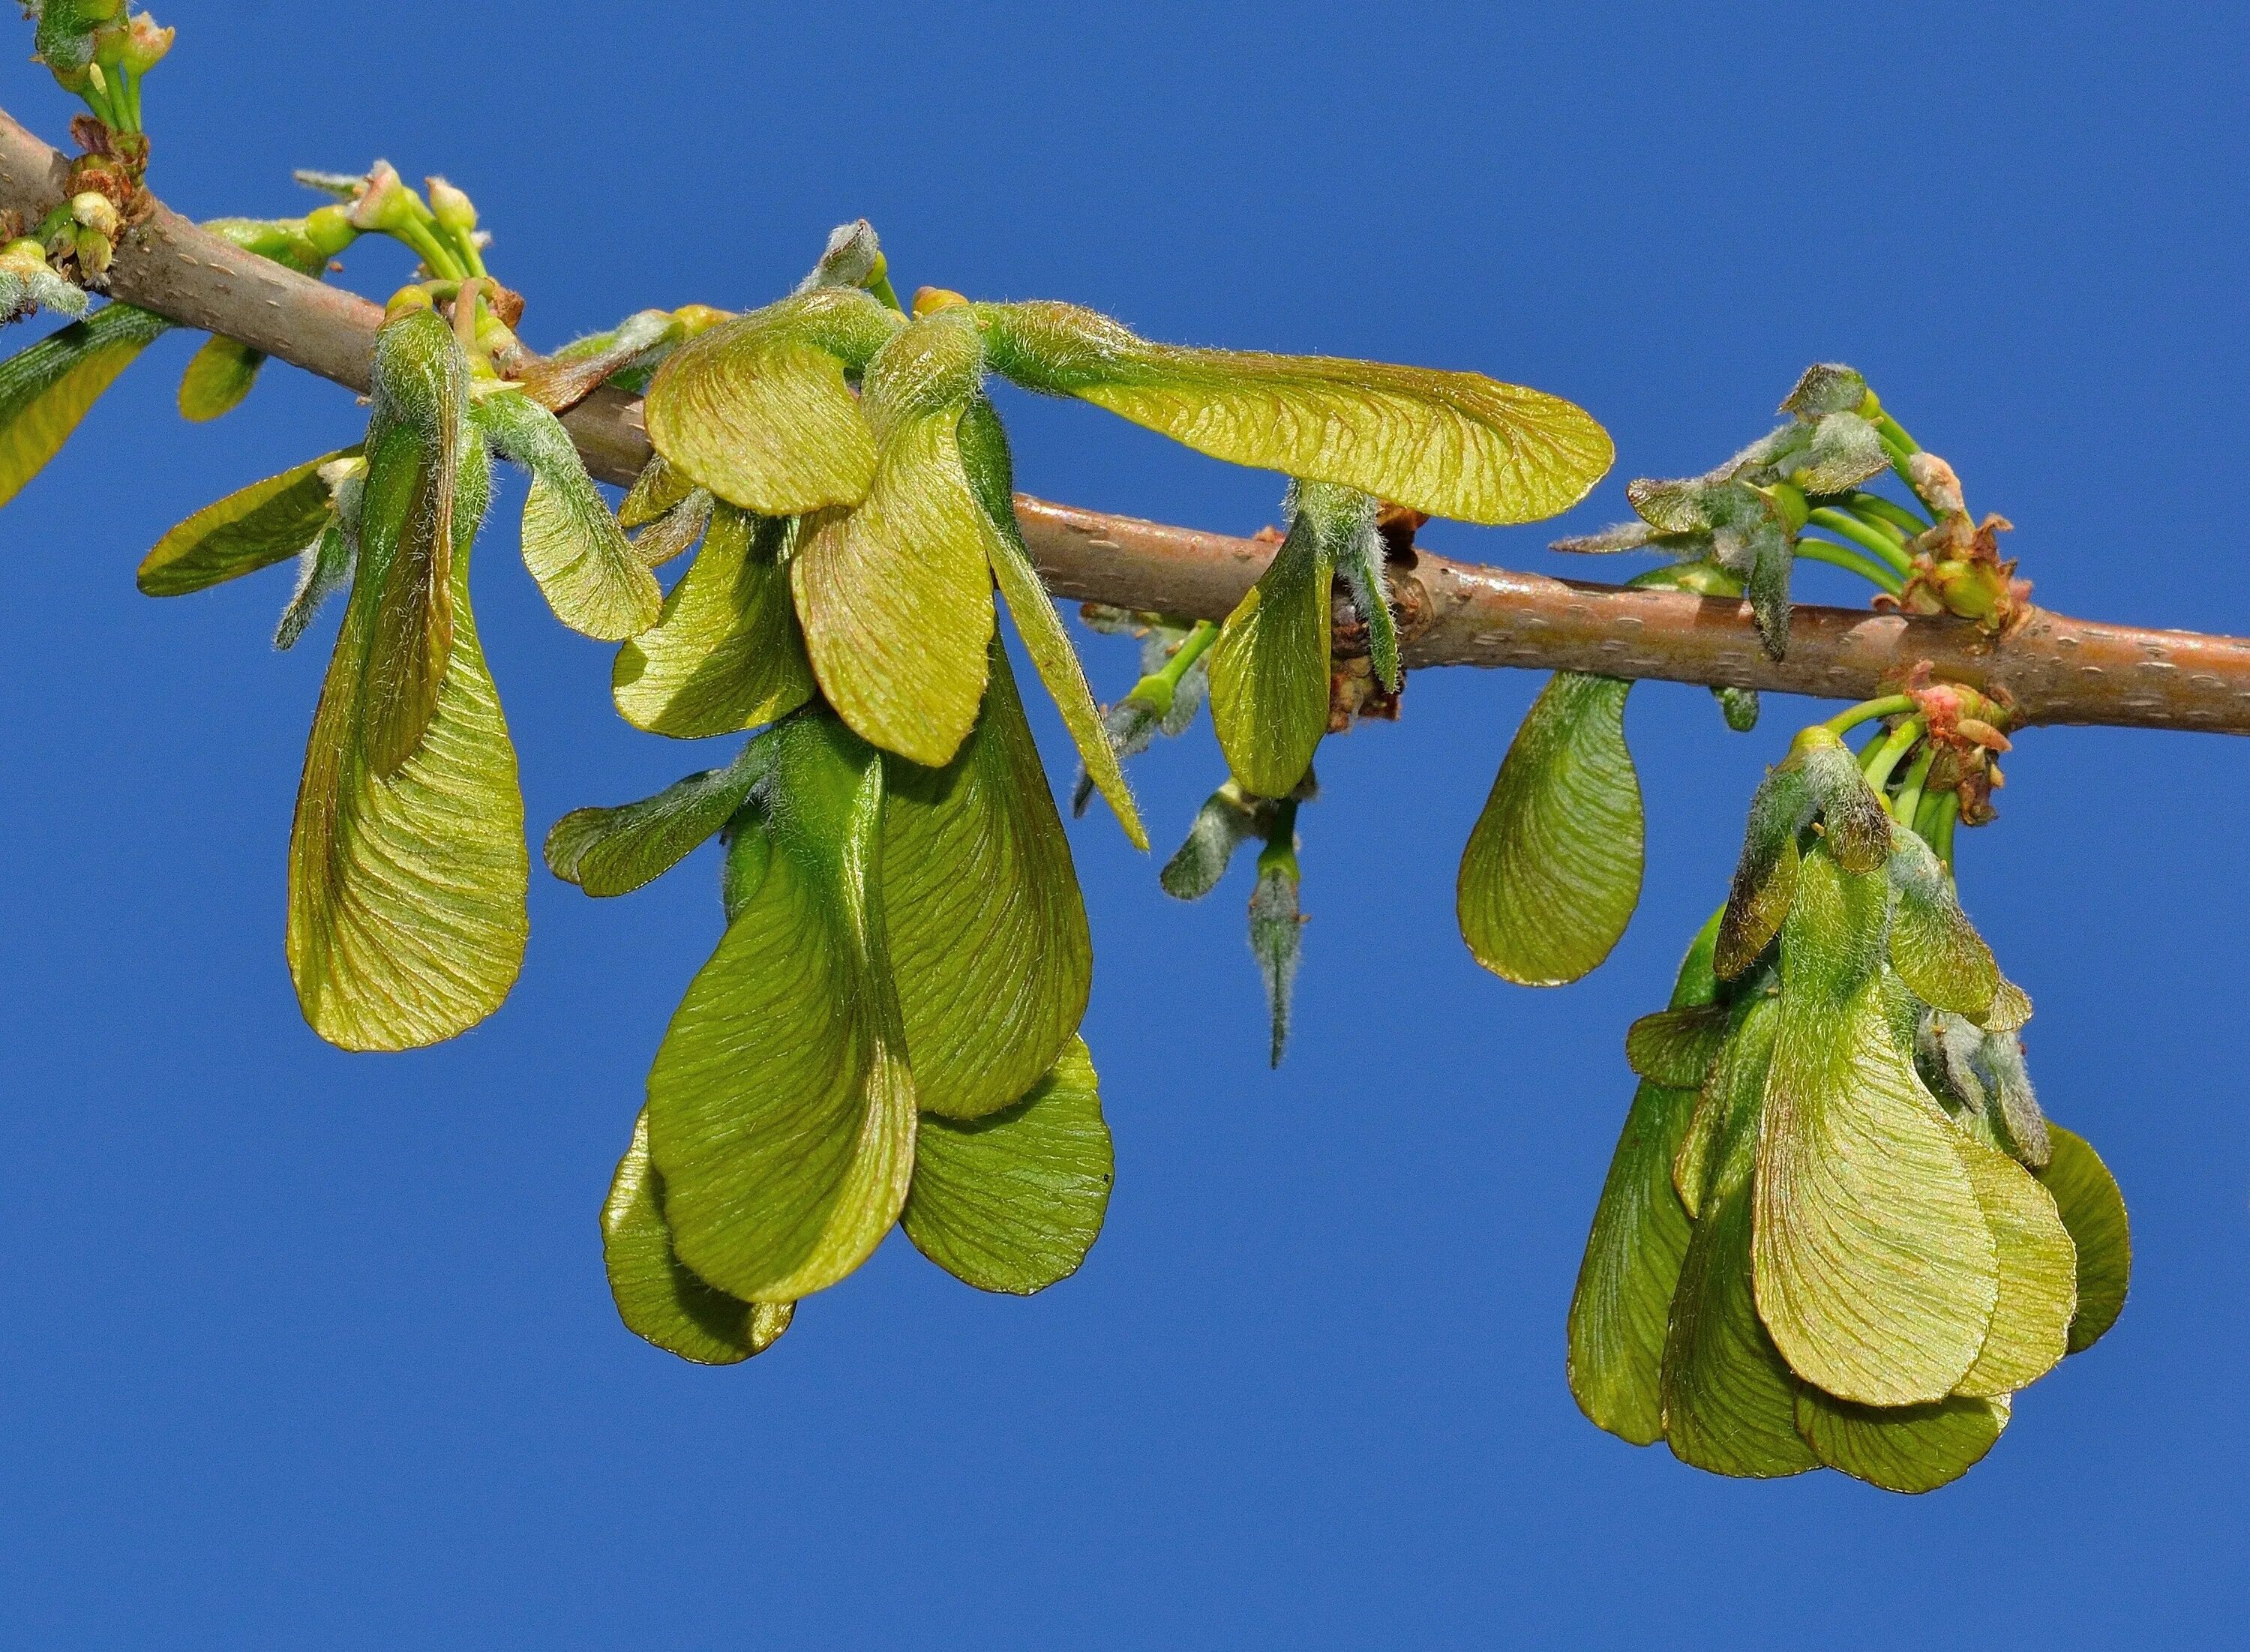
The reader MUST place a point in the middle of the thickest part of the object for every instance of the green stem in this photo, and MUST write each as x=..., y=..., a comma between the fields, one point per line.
x=881, y=287
x=1280, y=853
x=96, y=98
x=1901, y=516
x=443, y=265
x=1871, y=540
x=1866, y=710
x=1884, y=754
x=1893, y=434
x=128, y=99
x=1908, y=804
x=1191, y=649
x=1901, y=447
x=464, y=242
x=1942, y=812
x=1818, y=550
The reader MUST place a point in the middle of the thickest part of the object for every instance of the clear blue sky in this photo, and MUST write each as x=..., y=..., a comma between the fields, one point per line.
x=310, y=1349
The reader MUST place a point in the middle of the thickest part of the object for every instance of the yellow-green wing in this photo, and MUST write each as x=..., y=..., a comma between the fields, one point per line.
x=2093, y=1209
x=1909, y=1448
x=251, y=528
x=1269, y=669
x=584, y=565
x=1454, y=444
x=985, y=452
x=219, y=375
x=987, y=929
x=2038, y=1275
x=1729, y=1397
x=46, y=389
x=406, y=892
x=658, y=1296
x=1623, y=1301
x=758, y=409
x=1876, y=1269
x=403, y=591
x=725, y=653
x=1012, y=1201
x=895, y=598
x=781, y=1108
x=1552, y=870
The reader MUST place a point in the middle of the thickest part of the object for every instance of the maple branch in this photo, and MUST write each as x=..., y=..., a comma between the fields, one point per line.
x=2054, y=669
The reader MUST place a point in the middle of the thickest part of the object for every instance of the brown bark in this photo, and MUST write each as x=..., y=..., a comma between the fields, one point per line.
x=2054, y=669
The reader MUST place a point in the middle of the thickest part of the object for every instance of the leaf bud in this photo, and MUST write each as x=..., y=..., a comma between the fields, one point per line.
x=406, y=302
x=852, y=258
x=1828, y=387
x=1276, y=923
x=1739, y=706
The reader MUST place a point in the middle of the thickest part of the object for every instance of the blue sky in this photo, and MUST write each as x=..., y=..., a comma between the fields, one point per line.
x=305, y=1349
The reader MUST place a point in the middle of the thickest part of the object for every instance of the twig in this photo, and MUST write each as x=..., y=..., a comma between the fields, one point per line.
x=2054, y=670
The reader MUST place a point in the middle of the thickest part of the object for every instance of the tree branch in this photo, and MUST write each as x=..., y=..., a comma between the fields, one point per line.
x=2054, y=669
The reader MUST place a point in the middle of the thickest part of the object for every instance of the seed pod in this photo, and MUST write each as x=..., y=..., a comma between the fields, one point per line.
x=1875, y=1267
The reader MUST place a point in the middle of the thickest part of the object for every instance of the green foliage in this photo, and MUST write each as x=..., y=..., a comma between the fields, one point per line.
x=657, y=1296
x=905, y=953
x=895, y=592
x=614, y=852
x=1838, y=1230
x=986, y=928
x=1269, y=669
x=781, y=1108
x=984, y=456
x=1621, y=1310
x=2093, y=1209
x=758, y=409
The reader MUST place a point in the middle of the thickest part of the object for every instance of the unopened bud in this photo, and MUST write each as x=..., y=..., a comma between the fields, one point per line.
x=700, y=318
x=93, y=250
x=330, y=229
x=406, y=302
x=452, y=207
x=929, y=300
x=95, y=212
x=65, y=39
x=1934, y=479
